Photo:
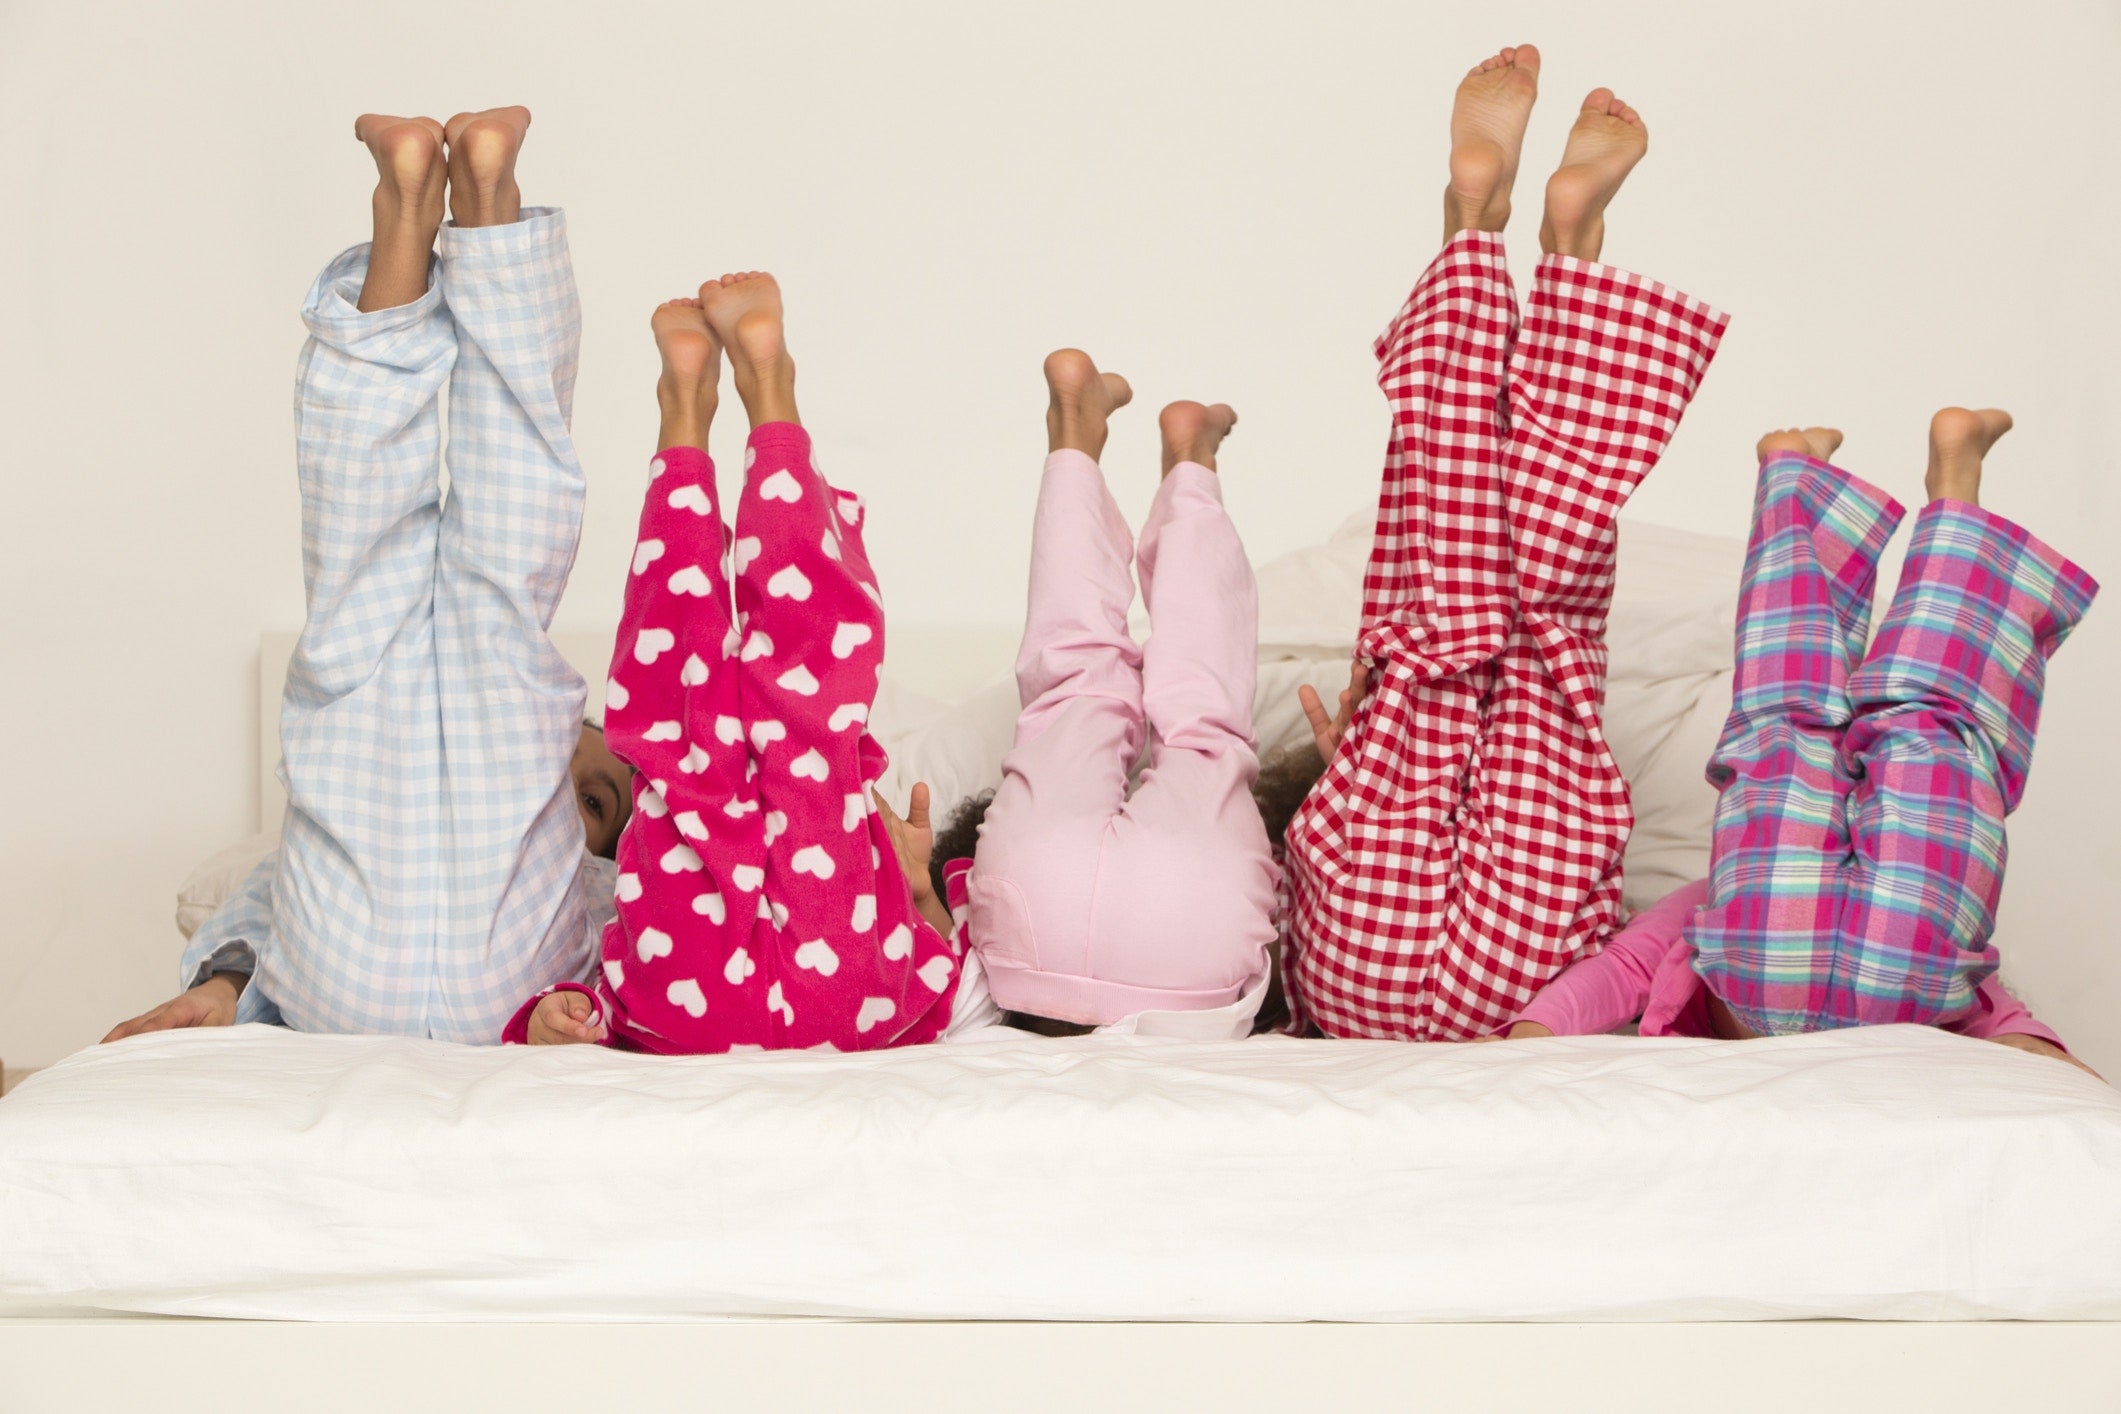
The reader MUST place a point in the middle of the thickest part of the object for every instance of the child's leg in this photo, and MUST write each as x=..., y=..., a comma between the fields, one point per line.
x=1946, y=706
x=1192, y=817
x=511, y=706
x=355, y=899
x=1371, y=851
x=845, y=959
x=691, y=859
x=1034, y=883
x=1599, y=378
x=1780, y=842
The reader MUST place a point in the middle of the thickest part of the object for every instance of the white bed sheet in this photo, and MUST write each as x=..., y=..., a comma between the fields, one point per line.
x=1895, y=1173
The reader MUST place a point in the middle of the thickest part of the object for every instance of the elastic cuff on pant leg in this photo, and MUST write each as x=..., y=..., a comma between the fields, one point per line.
x=535, y=233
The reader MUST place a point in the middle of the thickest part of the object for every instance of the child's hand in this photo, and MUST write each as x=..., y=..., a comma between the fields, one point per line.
x=2037, y=1046
x=1328, y=731
x=913, y=841
x=565, y=1019
x=211, y=1003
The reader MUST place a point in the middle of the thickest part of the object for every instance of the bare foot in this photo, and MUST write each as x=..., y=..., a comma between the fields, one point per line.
x=411, y=178
x=482, y=166
x=1608, y=140
x=1487, y=131
x=692, y=367
x=1192, y=432
x=1079, y=399
x=744, y=310
x=1818, y=443
x=1959, y=439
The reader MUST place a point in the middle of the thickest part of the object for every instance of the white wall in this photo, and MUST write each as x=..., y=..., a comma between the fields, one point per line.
x=1902, y=206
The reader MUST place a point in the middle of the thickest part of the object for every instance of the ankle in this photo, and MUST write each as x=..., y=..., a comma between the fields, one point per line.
x=687, y=413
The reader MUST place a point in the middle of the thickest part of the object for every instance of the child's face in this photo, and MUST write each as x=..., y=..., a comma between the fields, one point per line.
x=603, y=792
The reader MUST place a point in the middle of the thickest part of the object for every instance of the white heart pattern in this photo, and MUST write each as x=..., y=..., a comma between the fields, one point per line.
x=693, y=762
x=830, y=544
x=851, y=509
x=757, y=646
x=744, y=552
x=898, y=943
x=691, y=580
x=652, y=643
x=864, y=913
x=874, y=1013
x=781, y=486
x=662, y=731
x=656, y=467
x=645, y=554
x=798, y=681
x=855, y=811
x=686, y=993
x=737, y=809
x=789, y=583
x=650, y=802
x=682, y=859
x=691, y=826
x=810, y=766
x=615, y=973
x=628, y=888
x=739, y=968
x=935, y=972
x=817, y=956
x=691, y=498
x=765, y=732
x=775, y=1001
x=747, y=878
x=652, y=944
x=751, y=456
x=847, y=715
x=616, y=696
x=711, y=908
x=776, y=825
x=765, y=908
x=848, y=637
x=730, y=640
x=728, y=730
x=694, y=672
x=812, y=861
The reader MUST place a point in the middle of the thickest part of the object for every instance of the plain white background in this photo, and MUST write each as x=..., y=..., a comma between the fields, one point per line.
x=1901, y=205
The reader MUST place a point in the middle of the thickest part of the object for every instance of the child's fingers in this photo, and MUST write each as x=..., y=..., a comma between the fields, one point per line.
x=883, y=808
x=1314, y=710
x=917, y=806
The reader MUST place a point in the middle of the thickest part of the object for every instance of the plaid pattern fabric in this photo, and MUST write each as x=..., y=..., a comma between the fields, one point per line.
x=1859, y=845
x=1464, y=843
x=431, y=865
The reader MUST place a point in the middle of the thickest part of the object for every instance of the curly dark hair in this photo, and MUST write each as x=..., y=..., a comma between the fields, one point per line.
x=1285, y=778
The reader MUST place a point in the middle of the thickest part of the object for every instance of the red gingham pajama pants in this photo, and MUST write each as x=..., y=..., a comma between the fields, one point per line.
x=1464, y=843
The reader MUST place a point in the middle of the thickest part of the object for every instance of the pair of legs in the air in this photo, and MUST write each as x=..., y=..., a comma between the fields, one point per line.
x=765, y=896
x=1089, y=903
x=1859, y=848
x=1464, y=844
x=441, y=785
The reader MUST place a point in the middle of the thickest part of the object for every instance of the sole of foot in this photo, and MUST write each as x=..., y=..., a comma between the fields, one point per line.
x=1818, y=443
x=411, y=173
x=744, y=310
x=1080, y=400
x=482, y=165
x=692, y=355
x=1488, y=117
x=1959, y=440
x=1193, y=432
x=1608, y=139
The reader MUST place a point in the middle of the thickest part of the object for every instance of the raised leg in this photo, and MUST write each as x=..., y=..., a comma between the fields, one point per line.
x=511, y=706
x=1781, y=842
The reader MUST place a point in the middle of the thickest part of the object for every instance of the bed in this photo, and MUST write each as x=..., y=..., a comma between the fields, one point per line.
x=1896, y=1175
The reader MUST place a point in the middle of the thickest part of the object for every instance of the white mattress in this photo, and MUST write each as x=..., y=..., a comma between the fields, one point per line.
x=1895, y=1173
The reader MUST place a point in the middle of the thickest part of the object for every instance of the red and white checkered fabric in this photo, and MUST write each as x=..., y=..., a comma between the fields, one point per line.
x=1464, y=843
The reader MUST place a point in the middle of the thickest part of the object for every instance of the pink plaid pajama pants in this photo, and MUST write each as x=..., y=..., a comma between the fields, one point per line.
x=760, y=901
x=1464, y=843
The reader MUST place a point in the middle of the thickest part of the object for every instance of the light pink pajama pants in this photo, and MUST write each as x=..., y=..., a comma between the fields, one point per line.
x=760, y=902
x=1087, y=904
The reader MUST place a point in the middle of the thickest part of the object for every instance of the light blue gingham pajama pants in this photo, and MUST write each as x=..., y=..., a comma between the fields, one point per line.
x=431, y=872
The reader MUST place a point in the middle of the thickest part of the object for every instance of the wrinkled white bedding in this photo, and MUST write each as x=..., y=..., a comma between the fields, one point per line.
x=1895, y=1173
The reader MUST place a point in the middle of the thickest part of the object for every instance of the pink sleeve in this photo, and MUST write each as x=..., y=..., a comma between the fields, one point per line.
x=1602, y=992
x=1998, y=1013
